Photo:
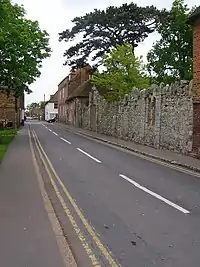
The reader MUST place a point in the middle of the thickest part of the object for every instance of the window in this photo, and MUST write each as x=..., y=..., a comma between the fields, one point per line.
x=55, y=105
x=63, y=91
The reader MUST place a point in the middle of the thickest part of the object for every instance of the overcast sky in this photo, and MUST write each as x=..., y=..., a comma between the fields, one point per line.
x=55, y=16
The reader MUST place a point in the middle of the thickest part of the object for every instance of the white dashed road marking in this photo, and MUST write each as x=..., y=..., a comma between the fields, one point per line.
x=55, y=133
x=85, y=153
x=66, y=141
x=154, y=194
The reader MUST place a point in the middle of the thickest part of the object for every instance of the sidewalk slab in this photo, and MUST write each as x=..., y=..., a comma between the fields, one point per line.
x=160, y=154
x=27, y=238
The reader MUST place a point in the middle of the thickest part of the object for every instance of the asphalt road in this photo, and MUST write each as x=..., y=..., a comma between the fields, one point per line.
x=146, y=214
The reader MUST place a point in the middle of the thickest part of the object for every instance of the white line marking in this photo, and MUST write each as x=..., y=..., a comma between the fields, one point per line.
x=154, y=194
x=50, y=130
x=65, y=140
x=85, y=153
x=55, y=133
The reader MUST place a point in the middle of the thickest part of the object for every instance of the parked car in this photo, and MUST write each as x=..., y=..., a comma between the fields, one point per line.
x=52, y=120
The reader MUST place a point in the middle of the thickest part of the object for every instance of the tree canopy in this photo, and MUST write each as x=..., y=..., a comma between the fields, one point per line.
x=171, y=57
x=102, y=30
x=23, y=46
x=123, y=72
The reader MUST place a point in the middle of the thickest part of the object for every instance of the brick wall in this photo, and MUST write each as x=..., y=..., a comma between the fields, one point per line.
x=67, y=86
x=196, y=82
x=7, y=108
x=62, y=95
x=196, y=60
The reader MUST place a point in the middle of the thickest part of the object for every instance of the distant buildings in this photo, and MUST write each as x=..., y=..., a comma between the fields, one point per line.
x=51, y=107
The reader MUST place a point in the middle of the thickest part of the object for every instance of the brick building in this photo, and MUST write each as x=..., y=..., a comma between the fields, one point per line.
x=62, y=95
x=66, y=87
x=11, y=109
x=195, y=21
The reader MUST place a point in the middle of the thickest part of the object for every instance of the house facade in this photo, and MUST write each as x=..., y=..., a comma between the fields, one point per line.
x=11, y=109
x=66, y=109
x=51, y=107
x=62, y=94
x=76, y=102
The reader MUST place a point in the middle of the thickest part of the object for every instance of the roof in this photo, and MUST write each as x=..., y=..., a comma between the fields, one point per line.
x=195, y=15
x=81, y=91
x=53, y=99
x=66, y=78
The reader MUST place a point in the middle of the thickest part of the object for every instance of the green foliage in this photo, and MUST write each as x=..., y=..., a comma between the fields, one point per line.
x=103, y=30
x=9, y=132
x=42, y=104
x=171, y=57
x=23, y=46
x=31, y=107
x=123, y=72
x=4, y=142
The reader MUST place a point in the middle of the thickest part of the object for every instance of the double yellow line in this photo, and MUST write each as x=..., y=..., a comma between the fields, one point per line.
x=54, y=179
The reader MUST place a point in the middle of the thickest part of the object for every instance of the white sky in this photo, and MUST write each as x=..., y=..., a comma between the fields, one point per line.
x=55, y=16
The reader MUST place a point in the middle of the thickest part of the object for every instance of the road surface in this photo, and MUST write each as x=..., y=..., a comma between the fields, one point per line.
x=118, y=209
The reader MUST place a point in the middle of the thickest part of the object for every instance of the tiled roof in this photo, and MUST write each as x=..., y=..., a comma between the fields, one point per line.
x=81, y=91
x=195, y=15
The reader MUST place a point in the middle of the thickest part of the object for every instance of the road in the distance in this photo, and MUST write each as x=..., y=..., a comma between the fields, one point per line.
x=145, y=213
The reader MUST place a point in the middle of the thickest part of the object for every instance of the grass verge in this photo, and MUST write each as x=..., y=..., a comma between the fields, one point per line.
x=6, y=136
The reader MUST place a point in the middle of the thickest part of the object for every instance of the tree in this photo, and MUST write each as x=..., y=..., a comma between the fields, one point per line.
x=171, y=57
x=23, y=46
x=33, y=109
x=42, y=104
x=123, y=72
x=102, y=30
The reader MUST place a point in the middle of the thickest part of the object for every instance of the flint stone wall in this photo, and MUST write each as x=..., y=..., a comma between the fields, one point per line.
x=160, y=116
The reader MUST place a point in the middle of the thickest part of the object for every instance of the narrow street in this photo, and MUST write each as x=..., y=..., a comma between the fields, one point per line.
x=117, y=209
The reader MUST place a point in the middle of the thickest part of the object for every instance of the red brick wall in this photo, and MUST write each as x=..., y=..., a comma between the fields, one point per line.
x=196, y=61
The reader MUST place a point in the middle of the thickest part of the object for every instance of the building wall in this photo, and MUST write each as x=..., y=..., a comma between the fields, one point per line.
x=160, y=117
x=196, y=60
x=50, y=111
x=7, y=108
x=74, y=111
x=62, y=95
x=66, y=112
x=196, y=81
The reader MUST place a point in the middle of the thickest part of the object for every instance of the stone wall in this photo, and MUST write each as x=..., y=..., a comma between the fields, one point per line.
x=161, y=116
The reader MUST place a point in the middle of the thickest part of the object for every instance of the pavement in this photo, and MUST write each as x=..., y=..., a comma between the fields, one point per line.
x=164, y=155
x=29, y=230
x=125, y=209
